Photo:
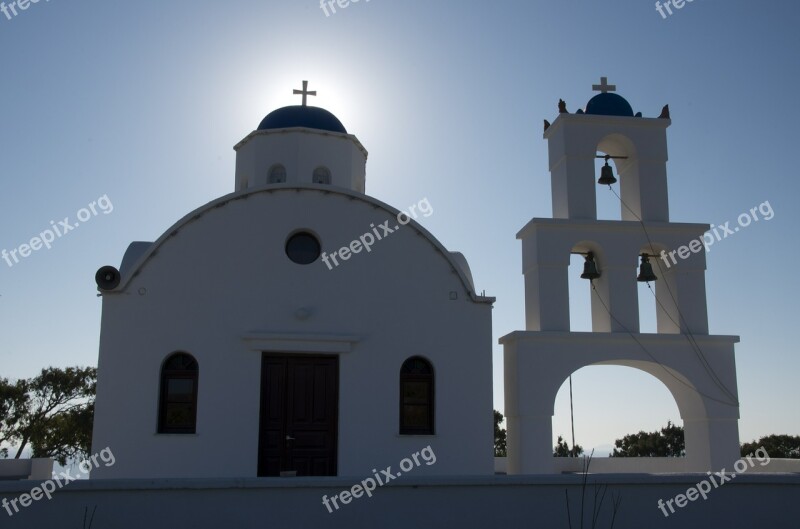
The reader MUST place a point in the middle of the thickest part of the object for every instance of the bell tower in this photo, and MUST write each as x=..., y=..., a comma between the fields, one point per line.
x=698, y=369
x=637, y=147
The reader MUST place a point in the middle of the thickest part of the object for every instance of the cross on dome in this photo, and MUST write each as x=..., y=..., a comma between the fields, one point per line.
x=604, y=87
x=304, y=92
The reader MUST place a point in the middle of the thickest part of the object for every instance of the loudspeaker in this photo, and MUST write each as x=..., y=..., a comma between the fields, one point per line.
x=107, y=278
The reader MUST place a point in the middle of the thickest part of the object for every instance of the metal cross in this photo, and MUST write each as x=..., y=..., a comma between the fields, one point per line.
x=604, y=86
x=305, y=92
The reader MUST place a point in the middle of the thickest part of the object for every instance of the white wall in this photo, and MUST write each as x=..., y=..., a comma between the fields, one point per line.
x=36, y=468
x=509, y=502
x=300, y=151
x=222, y=289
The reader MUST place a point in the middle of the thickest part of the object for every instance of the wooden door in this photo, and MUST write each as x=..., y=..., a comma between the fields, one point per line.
x=299, y=415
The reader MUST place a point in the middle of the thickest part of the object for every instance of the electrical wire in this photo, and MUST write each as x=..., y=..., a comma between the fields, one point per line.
x=688, y=334
x=641, y=345
x=572, y=418
x=733, y=398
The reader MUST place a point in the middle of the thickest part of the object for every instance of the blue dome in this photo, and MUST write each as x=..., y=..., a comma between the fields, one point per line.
x=302, y=116
x=609, y=104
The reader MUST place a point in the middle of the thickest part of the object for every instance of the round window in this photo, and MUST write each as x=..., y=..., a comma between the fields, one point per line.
x=303, y=248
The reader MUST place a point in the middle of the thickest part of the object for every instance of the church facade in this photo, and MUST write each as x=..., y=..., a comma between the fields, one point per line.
x=296, y=326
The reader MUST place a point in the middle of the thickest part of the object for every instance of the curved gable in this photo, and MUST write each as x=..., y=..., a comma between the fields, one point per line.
x=454, y=259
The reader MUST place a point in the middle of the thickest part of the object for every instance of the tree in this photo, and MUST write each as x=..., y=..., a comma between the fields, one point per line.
x=499, y=436
x=562, y=449
x=13, y=402
x=52, y=412
x=669, y=442
x=777, y=446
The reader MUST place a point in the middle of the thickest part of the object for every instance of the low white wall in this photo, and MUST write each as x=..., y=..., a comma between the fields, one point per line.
x=662, y=465
x=782, y=465
x=757, y=500
x=16, y=469
x=616, y=465
x=647, y=465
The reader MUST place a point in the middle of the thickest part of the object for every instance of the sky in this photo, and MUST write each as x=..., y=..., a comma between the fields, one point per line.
x=136, y=106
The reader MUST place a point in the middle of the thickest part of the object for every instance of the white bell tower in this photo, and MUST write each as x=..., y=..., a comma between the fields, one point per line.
x=697, y=368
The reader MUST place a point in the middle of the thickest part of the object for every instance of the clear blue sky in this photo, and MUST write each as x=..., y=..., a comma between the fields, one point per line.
x=143, y=101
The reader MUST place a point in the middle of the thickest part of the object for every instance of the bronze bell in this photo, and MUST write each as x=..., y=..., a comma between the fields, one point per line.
x=646, y=271
x=607, y=176
x=590, y=268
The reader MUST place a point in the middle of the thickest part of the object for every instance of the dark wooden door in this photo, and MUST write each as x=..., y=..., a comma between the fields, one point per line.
x=299, y=415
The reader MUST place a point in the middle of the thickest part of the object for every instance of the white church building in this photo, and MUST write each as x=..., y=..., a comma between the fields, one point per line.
x=297, y=324
x=279, y=350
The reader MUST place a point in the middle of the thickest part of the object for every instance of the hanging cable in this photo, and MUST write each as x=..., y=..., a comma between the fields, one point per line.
x=648, y=353
x=688, y=334
x=572, y=418
x=702, y=357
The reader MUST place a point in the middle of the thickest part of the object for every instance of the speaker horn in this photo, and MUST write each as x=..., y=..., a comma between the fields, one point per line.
x=107, y=278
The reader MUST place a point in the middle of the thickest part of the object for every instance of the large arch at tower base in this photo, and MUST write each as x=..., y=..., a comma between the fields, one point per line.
x=536, y=363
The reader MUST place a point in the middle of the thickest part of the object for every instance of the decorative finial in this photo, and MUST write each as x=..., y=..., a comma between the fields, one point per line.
x=304, y=92
x=562, y=107
x=664, y=112
x=604, y=87
x=546, y=125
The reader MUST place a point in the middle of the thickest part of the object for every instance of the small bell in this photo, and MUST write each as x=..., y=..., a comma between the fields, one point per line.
x=607, y=175
x=590, y=268
x=646, y=271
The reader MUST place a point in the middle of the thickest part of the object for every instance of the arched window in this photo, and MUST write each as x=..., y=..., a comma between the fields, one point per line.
x=321, y=176
x=277, y=175
x=416, y=397
x=177, y=410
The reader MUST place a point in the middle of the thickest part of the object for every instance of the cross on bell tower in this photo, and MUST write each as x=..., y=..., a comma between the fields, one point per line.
x=304, y=92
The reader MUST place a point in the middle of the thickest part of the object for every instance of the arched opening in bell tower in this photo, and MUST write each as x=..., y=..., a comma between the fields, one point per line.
x=599, y=393
x=580, y=300
x=623, y=202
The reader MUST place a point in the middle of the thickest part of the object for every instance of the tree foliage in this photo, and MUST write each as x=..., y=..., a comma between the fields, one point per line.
x=777, y=446
x=562, y=449
x=668, y=442
x=13, y=399
x=51, y=412
x=499, y=436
